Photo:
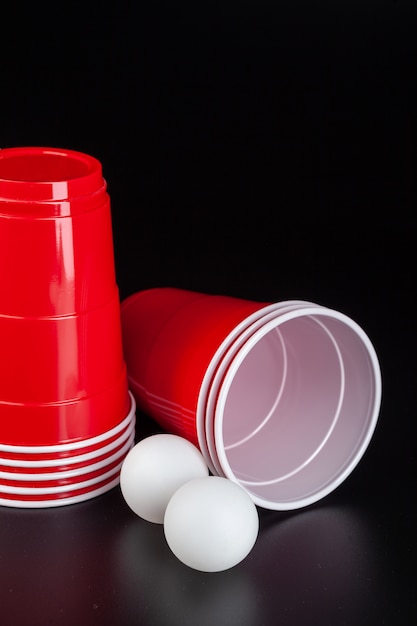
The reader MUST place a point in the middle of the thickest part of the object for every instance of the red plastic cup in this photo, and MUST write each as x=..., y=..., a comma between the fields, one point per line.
x=62, y=373
x=281, y=398
x=63, y=377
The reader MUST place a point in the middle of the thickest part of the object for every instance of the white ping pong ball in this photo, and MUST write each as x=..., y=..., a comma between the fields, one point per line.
x=211, y=524
x=154, y=469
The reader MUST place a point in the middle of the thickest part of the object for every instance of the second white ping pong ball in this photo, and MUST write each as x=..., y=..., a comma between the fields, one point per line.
x=154, y=469
x=211, y=524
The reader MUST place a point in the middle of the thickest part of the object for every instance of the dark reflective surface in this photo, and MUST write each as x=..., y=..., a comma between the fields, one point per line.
x=97, y=563
x=264, y=150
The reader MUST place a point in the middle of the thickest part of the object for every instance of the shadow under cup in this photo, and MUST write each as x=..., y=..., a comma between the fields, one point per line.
x=63, y=380
x=283, y=398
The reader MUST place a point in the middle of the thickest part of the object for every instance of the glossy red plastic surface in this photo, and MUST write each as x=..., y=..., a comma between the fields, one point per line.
x=61, y=496
x=56, y=258
x=59, y=482
x=60, y=359
x=10, y=460
x=45, y=174
x=35, y=424
x=170, y=337
x=62, y=373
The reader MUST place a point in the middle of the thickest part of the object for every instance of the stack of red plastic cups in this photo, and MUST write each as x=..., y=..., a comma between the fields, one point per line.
x=66, y=417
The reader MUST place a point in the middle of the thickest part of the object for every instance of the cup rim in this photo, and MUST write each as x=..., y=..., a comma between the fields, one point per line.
x=228, y=379
x=72, y=460
x=64, y=474
x=215, y=362
x=57, y=489
x=63, y=501
x=222, y=366
x=74, y=445
x=86, y=179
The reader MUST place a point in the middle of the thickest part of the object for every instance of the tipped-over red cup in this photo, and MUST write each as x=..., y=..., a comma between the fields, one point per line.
x=281, y=398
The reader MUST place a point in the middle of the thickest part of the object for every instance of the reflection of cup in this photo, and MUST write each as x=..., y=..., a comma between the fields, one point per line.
x=63, y=382
x=281, y=398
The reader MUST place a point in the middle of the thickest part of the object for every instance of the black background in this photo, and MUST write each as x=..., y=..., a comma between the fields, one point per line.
x=264, y=149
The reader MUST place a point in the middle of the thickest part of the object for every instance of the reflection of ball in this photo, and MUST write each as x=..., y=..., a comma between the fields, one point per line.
x=153, y=471
x=211, y=524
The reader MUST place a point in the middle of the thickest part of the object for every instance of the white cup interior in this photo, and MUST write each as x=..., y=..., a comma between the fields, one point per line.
x=297, y=407
x=267, y=314
x=217, y=359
